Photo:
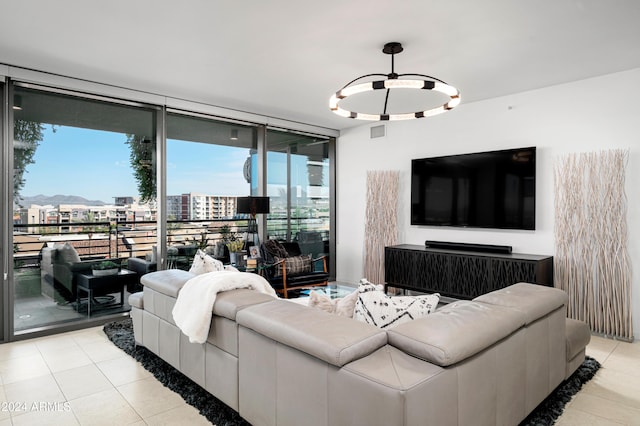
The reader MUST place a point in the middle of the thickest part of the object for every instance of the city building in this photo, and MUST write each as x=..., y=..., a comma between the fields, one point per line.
x=194, y=206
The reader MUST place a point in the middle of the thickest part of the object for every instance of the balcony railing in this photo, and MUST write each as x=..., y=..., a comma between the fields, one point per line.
x=125, y=239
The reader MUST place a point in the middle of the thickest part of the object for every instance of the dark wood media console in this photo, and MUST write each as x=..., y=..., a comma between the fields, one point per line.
x=462, y=274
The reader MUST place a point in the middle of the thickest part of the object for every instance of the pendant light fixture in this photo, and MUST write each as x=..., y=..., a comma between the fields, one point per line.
x=394, y=81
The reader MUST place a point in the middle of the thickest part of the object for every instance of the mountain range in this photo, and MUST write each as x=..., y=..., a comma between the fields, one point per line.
x=54, y=200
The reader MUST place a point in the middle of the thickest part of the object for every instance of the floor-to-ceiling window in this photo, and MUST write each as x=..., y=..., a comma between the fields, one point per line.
x=89, y=177
x=299, y=186
x=83, y=188
x=209, y=164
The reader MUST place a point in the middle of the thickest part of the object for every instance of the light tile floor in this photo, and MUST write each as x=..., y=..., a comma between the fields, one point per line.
x=80, y=378
x=612, y=397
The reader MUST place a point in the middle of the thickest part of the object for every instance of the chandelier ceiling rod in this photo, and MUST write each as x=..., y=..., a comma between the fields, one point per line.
x=391, y=49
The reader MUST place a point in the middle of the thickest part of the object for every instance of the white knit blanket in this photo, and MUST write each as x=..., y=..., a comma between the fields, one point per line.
x=194, y=306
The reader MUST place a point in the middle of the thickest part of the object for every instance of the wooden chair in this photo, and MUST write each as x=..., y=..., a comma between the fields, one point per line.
x=287, y=269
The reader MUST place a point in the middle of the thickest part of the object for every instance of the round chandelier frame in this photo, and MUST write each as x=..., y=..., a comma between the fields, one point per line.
x=394, y=81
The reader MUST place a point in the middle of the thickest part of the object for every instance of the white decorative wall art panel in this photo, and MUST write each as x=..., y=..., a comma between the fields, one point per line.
x=591, y=262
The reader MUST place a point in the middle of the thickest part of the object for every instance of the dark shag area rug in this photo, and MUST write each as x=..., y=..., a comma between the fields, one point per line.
x=121, y=334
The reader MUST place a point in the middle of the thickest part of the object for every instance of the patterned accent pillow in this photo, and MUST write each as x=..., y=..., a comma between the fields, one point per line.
x=294, y=264
x=275, y=249
x=203, y=263
x=343, y=306
x=376, y=308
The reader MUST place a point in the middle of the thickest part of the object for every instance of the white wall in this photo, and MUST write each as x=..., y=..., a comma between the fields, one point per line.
x=588, y=115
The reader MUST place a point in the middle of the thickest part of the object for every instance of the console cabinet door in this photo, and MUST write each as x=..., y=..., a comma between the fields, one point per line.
x=469, y=276
x=462, y=275
x=508, y=272
x=432, y=272
x=399, y=266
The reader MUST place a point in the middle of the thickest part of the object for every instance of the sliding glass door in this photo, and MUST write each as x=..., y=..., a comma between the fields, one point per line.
x=209, y=164
x=299, y=182
x=83, y=178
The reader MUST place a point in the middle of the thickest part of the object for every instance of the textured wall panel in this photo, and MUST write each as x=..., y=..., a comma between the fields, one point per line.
x=592, y=262
x=381, y=222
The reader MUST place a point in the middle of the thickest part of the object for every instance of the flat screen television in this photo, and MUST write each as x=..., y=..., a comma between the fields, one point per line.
x=494, y=189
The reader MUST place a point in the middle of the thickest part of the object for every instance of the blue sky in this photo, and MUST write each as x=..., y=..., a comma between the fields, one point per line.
x=95, y=165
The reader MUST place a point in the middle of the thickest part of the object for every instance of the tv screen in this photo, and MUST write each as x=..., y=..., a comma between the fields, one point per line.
x=494, y=189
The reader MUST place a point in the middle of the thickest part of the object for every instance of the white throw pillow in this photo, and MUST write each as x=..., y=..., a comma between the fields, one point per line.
x=343, y=306
x=321, y=301
x=203, y=263
x=376, y=308
x=347, y=304
x=67, y=253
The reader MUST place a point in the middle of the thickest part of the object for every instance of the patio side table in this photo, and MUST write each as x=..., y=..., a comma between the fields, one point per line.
x=105, y=284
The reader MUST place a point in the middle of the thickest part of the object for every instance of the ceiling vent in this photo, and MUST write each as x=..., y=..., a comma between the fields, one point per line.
x=378, y=131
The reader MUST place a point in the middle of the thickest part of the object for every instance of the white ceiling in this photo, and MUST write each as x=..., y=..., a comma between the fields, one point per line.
x=284, y=58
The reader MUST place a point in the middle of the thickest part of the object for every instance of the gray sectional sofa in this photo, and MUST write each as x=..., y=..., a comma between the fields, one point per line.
x=489, y=361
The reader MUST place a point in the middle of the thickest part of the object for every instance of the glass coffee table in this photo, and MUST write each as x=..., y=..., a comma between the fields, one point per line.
x=94, y=286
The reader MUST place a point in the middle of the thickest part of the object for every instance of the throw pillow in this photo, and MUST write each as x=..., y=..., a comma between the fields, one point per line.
x=365, y=286
x=203, y=263
x=294, y=264
x=346, y=305
x=376, y=308
x=343, y=306
x=275, y=248
x=67, y=254
x=321, y=301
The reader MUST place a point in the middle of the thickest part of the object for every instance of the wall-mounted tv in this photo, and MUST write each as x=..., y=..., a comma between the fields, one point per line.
x=494, y=189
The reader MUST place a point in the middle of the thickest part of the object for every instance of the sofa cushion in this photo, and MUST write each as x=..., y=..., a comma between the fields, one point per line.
x=136, y=300
x=168, y=282
x=519, y=296
x=376, y=308
x=334, y=339
x=229, y=303
x=456, y=331
x=391, y=387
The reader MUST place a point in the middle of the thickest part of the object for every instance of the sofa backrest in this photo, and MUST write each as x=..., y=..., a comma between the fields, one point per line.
x=534, y=301
x=334, y=339
x=455, y=332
